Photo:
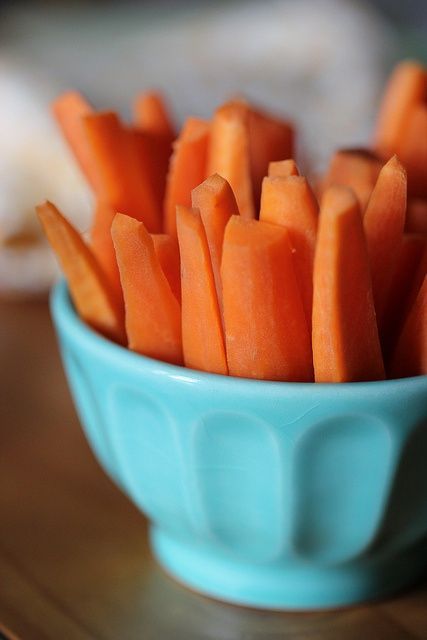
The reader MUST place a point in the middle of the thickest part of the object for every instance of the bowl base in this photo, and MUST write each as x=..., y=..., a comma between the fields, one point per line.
x=295, y=585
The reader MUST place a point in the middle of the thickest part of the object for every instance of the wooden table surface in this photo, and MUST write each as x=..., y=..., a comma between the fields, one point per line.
x=74, y=558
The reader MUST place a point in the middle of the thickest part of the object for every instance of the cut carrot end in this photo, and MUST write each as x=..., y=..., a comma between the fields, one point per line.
x=215, y=200
x=265, y=328
x=152, y=313
x=283, y=168
x=229, y=153
x=92, y=295
x=346, y=345
x=202, y=335
x=187, y=168
x=69, y=109
x=384, y=223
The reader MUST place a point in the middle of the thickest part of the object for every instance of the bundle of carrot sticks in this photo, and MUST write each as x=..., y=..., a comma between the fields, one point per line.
x=210, y=250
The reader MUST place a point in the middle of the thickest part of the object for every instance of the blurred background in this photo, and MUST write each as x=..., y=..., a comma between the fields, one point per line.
x=321, y=63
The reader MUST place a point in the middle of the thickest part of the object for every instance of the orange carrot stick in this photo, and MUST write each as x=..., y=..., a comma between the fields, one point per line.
x=102, y=245
x=269, y=139
x=95, y=301
x=152, y=313
x=412, y=150
x=122, y=181
x=152, y=115
x=384, y=222
x=69, y=109
x=167, y=251
x=416, y=216
x=406, y=87
x=410, y=356
x=283, y=169
x=291, y=202
x=216, y=202
x=157, y=134
x=229, y=153
x=265, y=327
x=346, y=345
x=202, y=336
x=187, y=168
x=407, y=263
x=416, y=282
x=354, y=168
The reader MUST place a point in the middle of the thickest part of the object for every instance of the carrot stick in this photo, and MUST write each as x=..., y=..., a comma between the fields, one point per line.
x=265, y=327
x=102, y=245
x=283, y=169
x=407, y=263
x=412, y=150
x=269, y=139
x=229, y=153
x=202, y=336
x=290, y=202
x=346, y=345
x=157, y=134
x=152, y=159
x=167, y=251
x=410, y=356
x=95, y=300
x=216, y=202
x=187, y=168
x=122, y=181
x=406, y=87
x=416, y=216
x=354, y=168
x=69, y=109
x=151, y=115
x=152, y=313
x=416, y=282
x=384, y=222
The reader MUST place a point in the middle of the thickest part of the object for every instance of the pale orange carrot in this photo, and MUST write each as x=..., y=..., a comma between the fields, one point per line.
x=384, y=222
x=416, y=216
x=216, y=202
x=269, y=139
x=202, y=335
x=412, y=150
x=346, y=346
x=404, y=277
x=291, y=202
x=122, y=182
x=89, y=288
x=102, y=244
x=265, y=327
x=410, y=356
x=69, y=109
x=152, y=115
x=406, y=88
x=152, y=313
x=187, y=168
x=283, y=169
x=229, y=153
x=354, y=168
x=167, y=251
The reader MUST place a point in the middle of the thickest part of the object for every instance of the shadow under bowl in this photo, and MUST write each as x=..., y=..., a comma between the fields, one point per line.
x=268, y=494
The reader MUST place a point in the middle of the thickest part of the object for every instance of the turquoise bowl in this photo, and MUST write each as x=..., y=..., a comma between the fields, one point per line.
x=272, y=495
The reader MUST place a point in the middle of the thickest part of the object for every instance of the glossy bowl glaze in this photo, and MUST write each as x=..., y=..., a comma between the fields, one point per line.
x=274, y=495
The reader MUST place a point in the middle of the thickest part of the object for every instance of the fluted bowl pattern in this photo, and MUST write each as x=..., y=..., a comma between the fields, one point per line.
x=277, y=495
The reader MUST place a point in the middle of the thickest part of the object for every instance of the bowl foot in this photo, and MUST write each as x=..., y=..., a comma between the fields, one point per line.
x=291, y=584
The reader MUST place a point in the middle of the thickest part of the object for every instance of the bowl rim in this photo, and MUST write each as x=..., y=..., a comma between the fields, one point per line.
x=69, y=323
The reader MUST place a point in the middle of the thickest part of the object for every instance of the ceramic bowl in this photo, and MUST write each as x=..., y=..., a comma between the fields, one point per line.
x=268, y=494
